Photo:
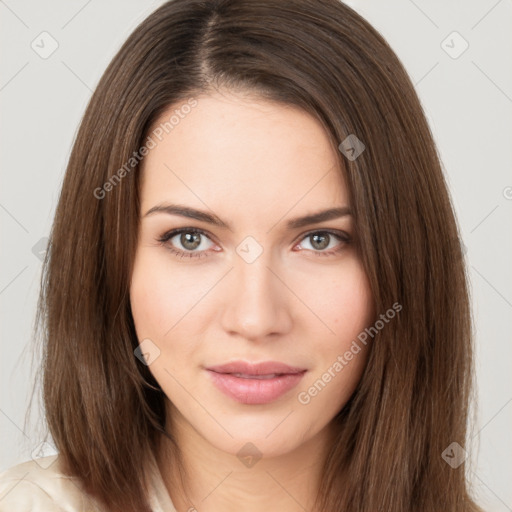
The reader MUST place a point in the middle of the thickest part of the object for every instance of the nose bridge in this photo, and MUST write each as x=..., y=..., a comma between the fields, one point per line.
x=257, y=303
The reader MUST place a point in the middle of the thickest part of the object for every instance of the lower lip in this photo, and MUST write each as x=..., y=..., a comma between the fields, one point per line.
x=255, y=391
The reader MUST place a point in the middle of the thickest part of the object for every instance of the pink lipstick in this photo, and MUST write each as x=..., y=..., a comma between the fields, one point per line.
x=255, y=383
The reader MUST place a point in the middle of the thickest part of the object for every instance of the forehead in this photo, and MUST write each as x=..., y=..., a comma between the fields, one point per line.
x=248, y=153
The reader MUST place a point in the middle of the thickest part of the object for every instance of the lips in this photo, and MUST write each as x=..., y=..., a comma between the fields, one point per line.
x=255, y=383
x=255, y=369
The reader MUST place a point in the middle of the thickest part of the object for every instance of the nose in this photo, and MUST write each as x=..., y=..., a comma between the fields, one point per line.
x=257, y=302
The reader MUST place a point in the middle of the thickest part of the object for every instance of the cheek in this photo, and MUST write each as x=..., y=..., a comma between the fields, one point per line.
x=159, y=308
x=351, y=312
x=341, y=300
x=167, y=309
x=345, y=307
x=150, y=299
x=350, y=305
x=162, y=298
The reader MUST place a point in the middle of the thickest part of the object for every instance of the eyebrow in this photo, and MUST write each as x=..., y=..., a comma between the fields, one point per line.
x=298, y=222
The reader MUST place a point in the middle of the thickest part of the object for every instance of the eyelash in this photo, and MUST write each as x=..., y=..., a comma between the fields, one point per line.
x=163, y=239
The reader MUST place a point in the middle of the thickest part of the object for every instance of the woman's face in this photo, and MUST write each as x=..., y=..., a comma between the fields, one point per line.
x=247, y=280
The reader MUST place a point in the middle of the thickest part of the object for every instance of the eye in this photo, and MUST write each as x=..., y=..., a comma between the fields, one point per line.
x=192, y=242
x=190, y=239
x=319, y=241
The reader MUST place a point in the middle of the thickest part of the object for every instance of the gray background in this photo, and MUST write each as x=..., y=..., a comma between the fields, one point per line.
x=468, y=100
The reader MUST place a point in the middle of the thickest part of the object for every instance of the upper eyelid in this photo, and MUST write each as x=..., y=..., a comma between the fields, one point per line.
x=174, y=232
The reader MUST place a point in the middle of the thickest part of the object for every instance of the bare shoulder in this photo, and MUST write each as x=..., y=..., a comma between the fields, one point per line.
x=39, y=485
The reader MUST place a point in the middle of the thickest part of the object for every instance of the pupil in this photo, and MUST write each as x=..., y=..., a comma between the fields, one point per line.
x=186, y=240
x=322, y=245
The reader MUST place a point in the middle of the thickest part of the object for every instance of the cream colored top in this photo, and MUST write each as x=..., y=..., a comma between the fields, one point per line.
x=39, y=486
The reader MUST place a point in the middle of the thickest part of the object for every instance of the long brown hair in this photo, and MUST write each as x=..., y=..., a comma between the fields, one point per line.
x=104, y=409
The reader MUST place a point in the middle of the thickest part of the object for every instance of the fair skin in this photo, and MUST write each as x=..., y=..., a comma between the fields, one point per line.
x=255, y=165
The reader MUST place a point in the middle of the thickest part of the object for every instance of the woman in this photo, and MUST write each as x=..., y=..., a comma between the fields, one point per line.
x=254, y=296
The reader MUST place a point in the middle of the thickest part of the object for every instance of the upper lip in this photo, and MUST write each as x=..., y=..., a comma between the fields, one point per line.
x=263, y=368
